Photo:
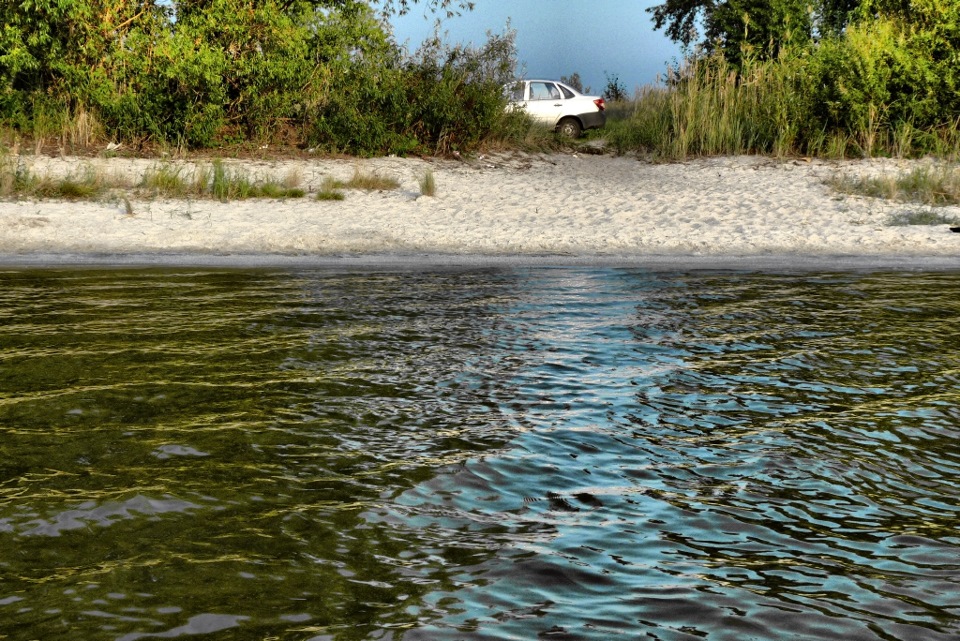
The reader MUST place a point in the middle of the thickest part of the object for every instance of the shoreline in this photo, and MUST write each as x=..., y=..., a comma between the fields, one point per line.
x=742, y=212
x=401, y=262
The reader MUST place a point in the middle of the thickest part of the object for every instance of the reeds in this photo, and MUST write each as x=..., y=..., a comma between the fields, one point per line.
x=709, y=107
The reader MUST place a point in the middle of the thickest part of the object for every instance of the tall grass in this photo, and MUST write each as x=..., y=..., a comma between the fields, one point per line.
x=710, y=107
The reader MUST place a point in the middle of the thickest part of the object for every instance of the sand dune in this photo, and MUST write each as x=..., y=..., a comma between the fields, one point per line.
x=511, y=205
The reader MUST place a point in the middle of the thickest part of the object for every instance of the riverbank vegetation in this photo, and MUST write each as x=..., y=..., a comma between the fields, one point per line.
x=829, y=78
x=214, y=180
x=319, y=75
x=832, y=78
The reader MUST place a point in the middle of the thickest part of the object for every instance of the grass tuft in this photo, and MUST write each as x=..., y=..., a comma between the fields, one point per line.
x=922, y=218
x=217, y=181
x=14, y=176
x=18, y=181
x=164, y=180
x=929, y=185
x=371, y=181
x=328, y=190
x=428, y=185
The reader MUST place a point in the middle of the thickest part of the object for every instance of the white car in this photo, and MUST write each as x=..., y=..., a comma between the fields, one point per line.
x=557, y=105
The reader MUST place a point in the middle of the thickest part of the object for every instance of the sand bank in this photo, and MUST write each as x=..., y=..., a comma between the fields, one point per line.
x=563, y=206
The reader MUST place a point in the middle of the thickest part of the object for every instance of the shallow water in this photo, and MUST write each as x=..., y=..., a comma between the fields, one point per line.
x=502, y=453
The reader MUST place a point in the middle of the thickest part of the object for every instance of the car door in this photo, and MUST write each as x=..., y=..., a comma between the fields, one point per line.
x=544, y=102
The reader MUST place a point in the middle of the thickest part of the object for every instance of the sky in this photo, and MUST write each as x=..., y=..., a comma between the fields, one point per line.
x=559, y=37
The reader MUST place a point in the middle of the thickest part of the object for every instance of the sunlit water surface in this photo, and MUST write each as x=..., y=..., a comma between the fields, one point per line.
x=479, y=454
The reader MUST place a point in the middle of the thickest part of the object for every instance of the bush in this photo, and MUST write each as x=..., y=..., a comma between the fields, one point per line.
x=222, y=72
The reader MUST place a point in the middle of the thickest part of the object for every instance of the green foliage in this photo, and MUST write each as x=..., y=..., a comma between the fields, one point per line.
x=441, y=99
x=323, y=73
x=882, y=87
x=741, y=28
x=457, y=92
x=887, y=78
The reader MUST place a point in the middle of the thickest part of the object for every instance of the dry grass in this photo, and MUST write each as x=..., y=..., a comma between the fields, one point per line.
x=164, y=180
x=87, y=183
x=935, y=185
x=369, y=181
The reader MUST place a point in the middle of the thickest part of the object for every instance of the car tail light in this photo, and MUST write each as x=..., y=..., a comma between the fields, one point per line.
x=601, y=105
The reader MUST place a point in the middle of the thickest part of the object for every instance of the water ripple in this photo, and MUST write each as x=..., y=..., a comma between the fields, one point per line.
x=479, y=454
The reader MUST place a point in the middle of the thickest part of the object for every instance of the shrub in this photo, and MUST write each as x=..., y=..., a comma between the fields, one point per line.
x=205, y=74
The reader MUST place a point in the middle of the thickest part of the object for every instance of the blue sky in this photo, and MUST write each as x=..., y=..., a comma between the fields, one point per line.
x=558, y=37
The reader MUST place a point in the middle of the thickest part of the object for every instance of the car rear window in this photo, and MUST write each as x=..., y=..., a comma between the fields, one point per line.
x=544, y=91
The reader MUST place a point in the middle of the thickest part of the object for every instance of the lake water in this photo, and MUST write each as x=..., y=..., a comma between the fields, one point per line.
x=484, y=453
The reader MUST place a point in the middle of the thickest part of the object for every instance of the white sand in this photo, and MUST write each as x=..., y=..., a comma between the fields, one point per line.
x=599, y=207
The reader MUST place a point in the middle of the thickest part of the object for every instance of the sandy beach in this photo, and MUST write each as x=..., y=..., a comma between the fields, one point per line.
x=562, y=206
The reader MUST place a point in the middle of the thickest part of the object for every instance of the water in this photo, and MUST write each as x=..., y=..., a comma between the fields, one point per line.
x=588, y=453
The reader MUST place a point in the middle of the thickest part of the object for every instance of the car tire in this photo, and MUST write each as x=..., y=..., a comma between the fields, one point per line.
x=569, y=128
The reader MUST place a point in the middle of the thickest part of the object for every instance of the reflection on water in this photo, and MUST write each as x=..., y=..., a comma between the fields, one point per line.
x=479, y=454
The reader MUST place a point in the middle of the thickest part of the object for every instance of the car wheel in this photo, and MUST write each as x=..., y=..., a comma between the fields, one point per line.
x=569, y=128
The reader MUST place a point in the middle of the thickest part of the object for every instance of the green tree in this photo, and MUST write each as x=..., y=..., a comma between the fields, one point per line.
x=614, y=91
x=761, y=27
x=43, y=40
x=574, y=81
x=202, y=73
